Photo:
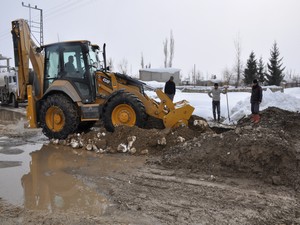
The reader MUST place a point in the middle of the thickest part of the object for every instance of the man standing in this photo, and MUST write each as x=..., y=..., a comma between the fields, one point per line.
x=215, y=94
x=256, y=98
x=170, y=88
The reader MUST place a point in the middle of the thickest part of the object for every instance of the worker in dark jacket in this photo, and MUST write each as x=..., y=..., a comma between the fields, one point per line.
x=256, y=98
x=170, y=88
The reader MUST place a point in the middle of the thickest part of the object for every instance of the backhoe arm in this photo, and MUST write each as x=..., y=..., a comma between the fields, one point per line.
x=25, y=50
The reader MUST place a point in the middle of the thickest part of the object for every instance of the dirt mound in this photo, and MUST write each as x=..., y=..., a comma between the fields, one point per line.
x=269, y=150
x=136, y=140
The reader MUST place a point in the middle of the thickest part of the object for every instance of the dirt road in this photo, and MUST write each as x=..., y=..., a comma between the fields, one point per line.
x=180, y=182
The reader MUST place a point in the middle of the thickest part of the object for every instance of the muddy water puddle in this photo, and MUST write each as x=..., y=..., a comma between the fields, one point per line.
x=35, y=178
x=44, y=179
x=14, y=162
x=42, y=176
x=48, y=187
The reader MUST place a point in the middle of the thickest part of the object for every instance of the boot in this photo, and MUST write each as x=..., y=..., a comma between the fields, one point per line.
x=256, y=118
x=218, y=118
x=252, y=118
x=214, y=117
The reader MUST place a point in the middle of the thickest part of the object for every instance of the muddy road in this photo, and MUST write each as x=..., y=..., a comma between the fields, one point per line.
x=179, y=182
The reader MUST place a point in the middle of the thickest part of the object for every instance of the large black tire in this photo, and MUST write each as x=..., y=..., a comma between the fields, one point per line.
x=59, y=116
x=14, y=101
x=128, y=100
x=154, y=123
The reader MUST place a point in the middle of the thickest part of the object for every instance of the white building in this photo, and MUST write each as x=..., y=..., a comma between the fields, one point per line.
x=160, y=75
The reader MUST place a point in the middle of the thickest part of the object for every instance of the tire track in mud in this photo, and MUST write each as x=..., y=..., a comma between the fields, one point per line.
x=174, y=199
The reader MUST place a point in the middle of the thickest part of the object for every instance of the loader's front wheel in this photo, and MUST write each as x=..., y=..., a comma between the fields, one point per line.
x=58, y=116
x=123, y=109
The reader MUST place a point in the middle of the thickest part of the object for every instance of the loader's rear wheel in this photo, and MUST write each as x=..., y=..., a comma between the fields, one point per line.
x=58, y=116
x=124, y=109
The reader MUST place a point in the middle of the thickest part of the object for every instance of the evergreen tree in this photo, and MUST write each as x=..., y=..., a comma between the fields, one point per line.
x=250, y=71
x=275, y=75
x=261, y=74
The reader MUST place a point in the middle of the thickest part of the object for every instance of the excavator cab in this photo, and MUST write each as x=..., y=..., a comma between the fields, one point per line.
x=73, y=62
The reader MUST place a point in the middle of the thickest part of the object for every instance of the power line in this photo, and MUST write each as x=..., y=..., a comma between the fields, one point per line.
x=40, y=24
x=63, y=7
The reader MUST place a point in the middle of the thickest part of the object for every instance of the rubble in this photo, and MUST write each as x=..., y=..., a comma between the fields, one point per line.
x=132, y=140
x=268, y=150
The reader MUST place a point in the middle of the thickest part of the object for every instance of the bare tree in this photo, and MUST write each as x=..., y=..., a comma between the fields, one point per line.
x=123, y=66
x=238, y=64
x=142, y=61
x=165, y=43
x=227, y=75
x=171, y=49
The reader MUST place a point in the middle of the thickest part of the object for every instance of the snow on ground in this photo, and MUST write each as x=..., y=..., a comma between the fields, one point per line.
x=293, y=91
x=238, y=102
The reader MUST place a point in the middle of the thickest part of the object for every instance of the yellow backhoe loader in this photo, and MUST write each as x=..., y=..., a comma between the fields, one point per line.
x=69, y=90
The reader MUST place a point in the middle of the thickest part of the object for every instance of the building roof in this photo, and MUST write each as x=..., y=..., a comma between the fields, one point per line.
x=161, y=70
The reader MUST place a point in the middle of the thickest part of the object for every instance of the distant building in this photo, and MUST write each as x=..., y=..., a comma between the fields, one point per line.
x=160, y=75
x=210, y=82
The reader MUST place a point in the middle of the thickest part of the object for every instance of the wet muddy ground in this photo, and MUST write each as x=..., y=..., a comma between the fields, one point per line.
x=174, y=183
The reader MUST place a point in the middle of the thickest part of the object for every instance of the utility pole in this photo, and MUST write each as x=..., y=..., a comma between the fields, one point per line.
x=194, y=75
x=36, y=25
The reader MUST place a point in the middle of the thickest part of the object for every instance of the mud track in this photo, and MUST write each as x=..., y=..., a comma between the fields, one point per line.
x=180, y=182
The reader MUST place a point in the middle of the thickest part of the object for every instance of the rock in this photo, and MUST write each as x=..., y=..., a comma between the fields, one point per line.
x=276, y=180
x=212, y=178
x=197, y=144
x=131, y=140
x=74, y=143
x=144, y=152
x=200, y=123
x=132, y=150
x=162, y=141
x=100, y=134
x=100, y=150
x=95, y=148
x=166, y=131
x=238, y=130
x=122, y=148
x=62, y=142
x=80, y=143
x=248, y=127
x=180, y=139
x=55, y=141
x=89, y=147
x=110, y=150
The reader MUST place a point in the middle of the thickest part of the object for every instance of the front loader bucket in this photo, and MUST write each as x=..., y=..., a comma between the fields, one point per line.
x=179, y=115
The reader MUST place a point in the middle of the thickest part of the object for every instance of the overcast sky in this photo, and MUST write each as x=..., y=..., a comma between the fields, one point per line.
x=204, y=30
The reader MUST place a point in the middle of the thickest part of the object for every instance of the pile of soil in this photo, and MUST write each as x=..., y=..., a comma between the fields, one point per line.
x=269, y=150
x=143, y=141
